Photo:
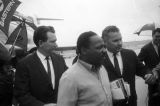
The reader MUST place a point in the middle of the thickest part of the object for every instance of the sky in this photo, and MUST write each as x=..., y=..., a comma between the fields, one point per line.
x=93, y=15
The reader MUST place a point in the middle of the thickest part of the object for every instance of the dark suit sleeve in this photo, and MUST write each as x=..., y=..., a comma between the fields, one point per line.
x=62, y=62
x=4, y=53
x=141, y=69
x=6, y=88
x=65, y=66
x=142, y=55
x=21, y=88
x=150, y=60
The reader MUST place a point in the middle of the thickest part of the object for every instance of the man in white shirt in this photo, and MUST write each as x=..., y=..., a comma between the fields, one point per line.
x=86, y=82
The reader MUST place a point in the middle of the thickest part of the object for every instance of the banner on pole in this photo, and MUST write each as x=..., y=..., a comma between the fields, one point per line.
x=7, y=9
x=19, y=37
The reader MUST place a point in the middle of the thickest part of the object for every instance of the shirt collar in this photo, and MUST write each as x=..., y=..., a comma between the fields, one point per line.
x=110, y=54
x=154, y=44
x=40, y=55
x=87, y=65
x=155, y=47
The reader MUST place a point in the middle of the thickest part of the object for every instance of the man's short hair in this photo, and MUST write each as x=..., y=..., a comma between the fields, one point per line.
x=41, y=34
x=109, y=29
x=156, y=30
x=84, y=41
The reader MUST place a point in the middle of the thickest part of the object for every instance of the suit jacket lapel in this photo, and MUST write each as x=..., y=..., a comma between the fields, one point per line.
x=109, y=65
x=55, y=66
x=40, y=67
x=124, y=61
x=154, y=53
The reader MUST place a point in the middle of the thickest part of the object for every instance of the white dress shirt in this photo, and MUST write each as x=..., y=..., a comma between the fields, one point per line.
x=81, y=86
x=44, y=62
x=119, y=58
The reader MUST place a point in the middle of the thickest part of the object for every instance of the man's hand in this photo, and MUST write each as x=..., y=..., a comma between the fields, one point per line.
x=157, y=68
x=50, y=104
x=155, y=74
x=150, y=79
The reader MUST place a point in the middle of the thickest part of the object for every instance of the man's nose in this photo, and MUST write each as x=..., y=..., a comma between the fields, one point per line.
x=55, y=45
x=120, y=42
x=103, y=51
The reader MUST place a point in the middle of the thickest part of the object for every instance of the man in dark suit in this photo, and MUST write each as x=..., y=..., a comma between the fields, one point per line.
x=150, y=55
x=37, y=75
x=122, y=63
x=6, y=77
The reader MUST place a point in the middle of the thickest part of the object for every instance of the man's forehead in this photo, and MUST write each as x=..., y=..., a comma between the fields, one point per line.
x=95, y=38
x=51, y=36
x=96, y=41
x=157, y=33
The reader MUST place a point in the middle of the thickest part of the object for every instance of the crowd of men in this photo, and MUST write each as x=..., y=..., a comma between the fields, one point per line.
x=42, y=77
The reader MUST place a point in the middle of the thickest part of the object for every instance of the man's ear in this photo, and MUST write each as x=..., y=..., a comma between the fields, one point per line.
x=83, y=50
x=40, y=43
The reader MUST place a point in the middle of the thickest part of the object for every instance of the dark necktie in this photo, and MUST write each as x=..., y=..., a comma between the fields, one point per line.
x=116, y=64
x=48, y=68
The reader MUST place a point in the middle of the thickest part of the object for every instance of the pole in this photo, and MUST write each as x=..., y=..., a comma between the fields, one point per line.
x=13, y=45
